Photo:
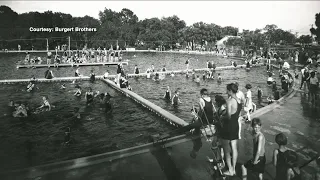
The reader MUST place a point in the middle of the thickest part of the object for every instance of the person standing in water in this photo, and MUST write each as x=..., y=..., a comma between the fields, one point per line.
x=230, y=132
x=89, y=96
x=136, y=69
x=45, y=104
x=175, y=98
x=207, y=108
x=30, y=87
x=187, y=64
x=248, y=107
x=92, y=76
x=77, y=73
x=167, y=94
x=48, y=74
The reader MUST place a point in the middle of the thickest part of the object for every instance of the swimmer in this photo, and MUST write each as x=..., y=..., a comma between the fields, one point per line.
x=167, y=94
x=63, y=86
x=78, y=91
x=21, y=111
x=164, y=69
x=270, y=80
x=129, y=87
x=136, y=69
x=172, y=74
x=96, y=94
x=92, y=76
x=89, y=96
x=30, y=87
x=175, y=98
x=108, y=106
x=67, y=136
x=260, y=93
x=219, y=78
x=187, y=74
x=45, y=104
x=197, y=80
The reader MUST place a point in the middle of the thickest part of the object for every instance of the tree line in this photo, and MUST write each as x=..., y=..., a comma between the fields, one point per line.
x=125, y=29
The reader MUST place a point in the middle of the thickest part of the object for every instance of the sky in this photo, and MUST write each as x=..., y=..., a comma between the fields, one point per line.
x=296, y=16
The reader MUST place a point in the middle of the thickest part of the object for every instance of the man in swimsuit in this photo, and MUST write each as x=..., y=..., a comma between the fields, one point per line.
x=207, y=108
x=230, y=132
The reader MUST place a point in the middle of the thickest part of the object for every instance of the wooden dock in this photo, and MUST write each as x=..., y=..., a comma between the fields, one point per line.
x=170, y=118
x=70, y=65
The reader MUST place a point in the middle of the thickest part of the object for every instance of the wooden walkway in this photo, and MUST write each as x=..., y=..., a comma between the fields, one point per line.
x=70, y=65
x=170, y=118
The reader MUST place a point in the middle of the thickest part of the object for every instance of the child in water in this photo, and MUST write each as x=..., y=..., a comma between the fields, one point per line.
x=78, y=91
x=219, y=78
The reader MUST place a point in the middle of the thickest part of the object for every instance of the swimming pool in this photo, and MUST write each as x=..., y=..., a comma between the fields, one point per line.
x=172, y=61
x=130, y=125
x=190, y=91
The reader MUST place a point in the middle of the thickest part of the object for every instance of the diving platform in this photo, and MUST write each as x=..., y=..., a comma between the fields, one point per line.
x=70, y=64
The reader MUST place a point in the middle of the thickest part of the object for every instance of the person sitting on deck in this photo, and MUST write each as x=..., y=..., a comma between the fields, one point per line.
x=207, y=108
x=45, y=104
x=123, y=82
x=175, y=98
x=30, y=87
x=48, y=74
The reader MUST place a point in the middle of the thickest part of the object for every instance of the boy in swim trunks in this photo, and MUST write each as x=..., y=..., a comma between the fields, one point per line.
x=257, y=164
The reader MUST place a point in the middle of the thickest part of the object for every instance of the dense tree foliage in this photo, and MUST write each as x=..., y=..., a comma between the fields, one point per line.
x=126, y=30
x=316, y=31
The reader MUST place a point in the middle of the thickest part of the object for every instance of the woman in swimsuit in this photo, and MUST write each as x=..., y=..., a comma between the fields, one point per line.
x=167, y=95
x=230, y=132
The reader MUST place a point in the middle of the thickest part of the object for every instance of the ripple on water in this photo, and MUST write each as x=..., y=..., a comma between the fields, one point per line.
x=281, y=129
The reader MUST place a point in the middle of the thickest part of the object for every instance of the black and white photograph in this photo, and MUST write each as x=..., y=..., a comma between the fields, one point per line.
x=159, y=90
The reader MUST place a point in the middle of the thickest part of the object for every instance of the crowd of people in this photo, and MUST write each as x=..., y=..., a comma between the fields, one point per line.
x=75, y=56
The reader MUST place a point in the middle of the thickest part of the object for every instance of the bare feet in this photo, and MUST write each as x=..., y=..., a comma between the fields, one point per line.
x=229, y=173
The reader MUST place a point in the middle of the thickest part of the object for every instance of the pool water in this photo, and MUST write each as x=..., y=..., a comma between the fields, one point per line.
x=37, y=139
x=172, y=61
x=130, y=125
x=190, y=90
